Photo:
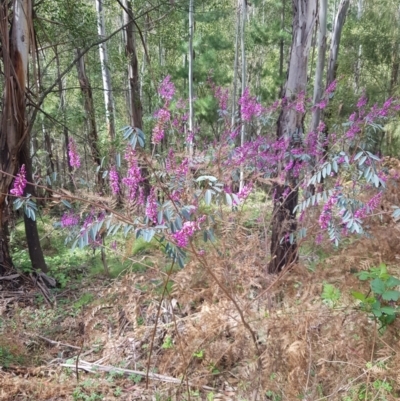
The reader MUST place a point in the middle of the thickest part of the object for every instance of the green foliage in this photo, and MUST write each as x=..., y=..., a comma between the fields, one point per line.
x=383, y=296
x=330, y=295
x=10, y=355
x=168, y=343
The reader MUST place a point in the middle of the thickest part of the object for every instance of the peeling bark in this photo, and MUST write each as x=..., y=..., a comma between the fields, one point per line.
x=290, y=127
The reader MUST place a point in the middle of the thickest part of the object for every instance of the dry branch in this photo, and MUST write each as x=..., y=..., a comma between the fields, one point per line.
x=96, y=368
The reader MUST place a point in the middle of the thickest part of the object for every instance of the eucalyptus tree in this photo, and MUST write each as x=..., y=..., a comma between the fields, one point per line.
x=14, y=131
x=319, y=70
x=190, y=79
x=105, y=71
x=134, y=101
x=291, y=127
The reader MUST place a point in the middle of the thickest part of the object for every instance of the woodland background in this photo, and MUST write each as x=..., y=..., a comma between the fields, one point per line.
x=235, y=286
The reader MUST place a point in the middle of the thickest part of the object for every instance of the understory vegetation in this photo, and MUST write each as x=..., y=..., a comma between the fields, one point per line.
x=199, y=200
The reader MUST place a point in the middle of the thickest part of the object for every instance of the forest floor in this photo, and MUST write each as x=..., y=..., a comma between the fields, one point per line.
x=155, y=332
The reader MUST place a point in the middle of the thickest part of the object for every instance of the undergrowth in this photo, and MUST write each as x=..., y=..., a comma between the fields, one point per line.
x=221, y=325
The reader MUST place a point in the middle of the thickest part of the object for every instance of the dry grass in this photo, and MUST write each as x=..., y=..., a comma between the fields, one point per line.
x=290, y=345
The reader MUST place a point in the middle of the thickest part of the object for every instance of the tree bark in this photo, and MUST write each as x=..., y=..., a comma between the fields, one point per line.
x=32, y=235
x=243, y=5
x=336, y=35
x=190, y=78
x=290, y=127
x=14, y=135
x=319, y=71
x=235, y=69
x=135, y=109
x=88, y=102
x=67, y=166
x=105, y=73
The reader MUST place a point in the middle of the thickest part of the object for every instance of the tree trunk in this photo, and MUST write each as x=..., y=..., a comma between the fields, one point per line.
x=67, y=166
x=319, y=71
x=243, y=49
x=359, y=62
x=281, y=46
x=32, y=235
x=290, y=127
x=105, y=73
x=336, y=35
x=93, y=139
x=235, y=69
x=190, y=78
x=135, y=109
x=14, y=135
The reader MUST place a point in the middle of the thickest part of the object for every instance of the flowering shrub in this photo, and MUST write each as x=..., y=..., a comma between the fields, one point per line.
x=173, y=189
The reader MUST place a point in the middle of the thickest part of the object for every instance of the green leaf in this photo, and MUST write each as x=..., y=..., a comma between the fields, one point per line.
x=391, y=295
x=392, y=282
x=208, y=196
x=206, y=177
x=378, y=286
x=66, y=203
x=358, y=295
x=389, y=310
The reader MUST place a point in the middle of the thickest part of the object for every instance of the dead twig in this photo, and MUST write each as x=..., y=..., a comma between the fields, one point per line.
x=96, y=368
x=53, y=342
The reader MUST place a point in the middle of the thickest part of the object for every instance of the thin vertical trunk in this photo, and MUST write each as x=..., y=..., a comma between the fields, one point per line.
x=281, y=45
x=243, y=51
x=319, y=71
x=135, y=109
x=88, y=102
x=67, y=166
x=359, y=62
x=105, y=73
x=235, y=69
x=14, y=135
x=335, y=42
x=290, y=127
x=190, y=78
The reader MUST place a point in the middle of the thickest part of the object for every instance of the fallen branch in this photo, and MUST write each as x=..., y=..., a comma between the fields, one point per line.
x=95, y=368
x=58, y=343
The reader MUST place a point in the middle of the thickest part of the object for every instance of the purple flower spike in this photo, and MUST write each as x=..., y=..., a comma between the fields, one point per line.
x=74, y=159
x=19, y=183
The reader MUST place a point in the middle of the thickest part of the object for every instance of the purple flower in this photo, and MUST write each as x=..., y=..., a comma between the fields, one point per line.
x=151, y=206
x=134, y=176
x=114, y=180
x=362, y=101
x=222, y=96
x=19, y=183
x=69, y=219
x=188, y=229
x=74, y=159
x=167, y=88
x=249, y=106
x=163, y=116
x=300, y=106
x=331, y=88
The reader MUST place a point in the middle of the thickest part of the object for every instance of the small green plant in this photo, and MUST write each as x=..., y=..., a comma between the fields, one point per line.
x=199, y=354
x=167, y=344
x=383, y=295
x=273, y=396
x=330, y=295
x=136, y=378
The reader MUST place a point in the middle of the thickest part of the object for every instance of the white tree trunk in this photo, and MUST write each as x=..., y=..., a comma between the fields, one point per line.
x=105, y=72
x=190, y=77
x=243, y=49
x=359, y=62
x=335, y=42
x=235, y=69
x=319, y=71
x=135, y=106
